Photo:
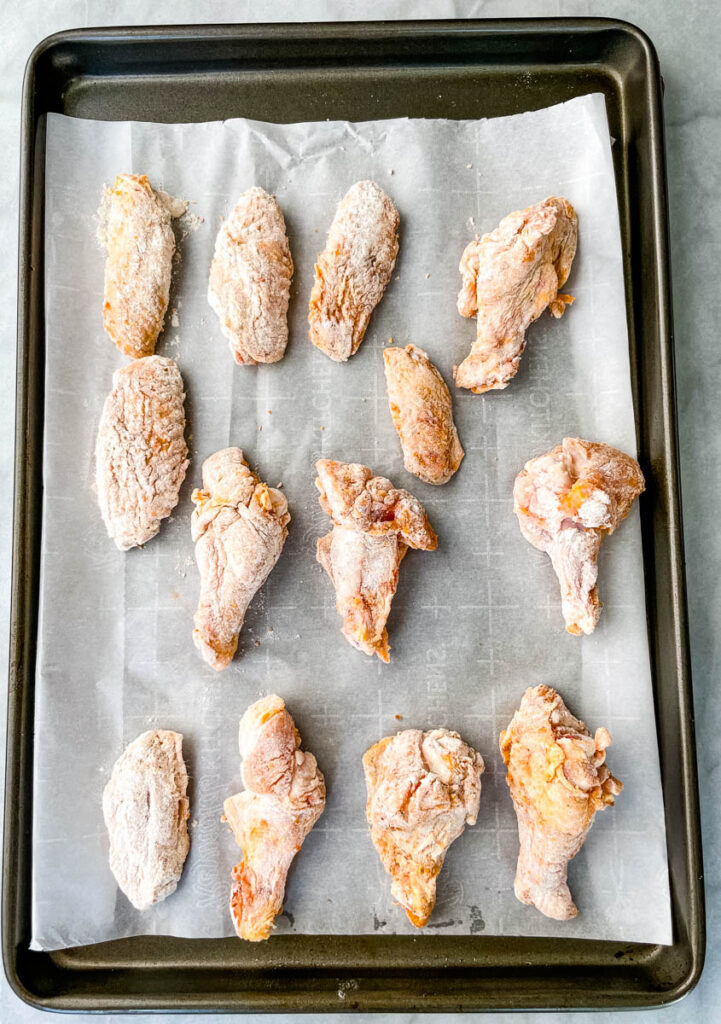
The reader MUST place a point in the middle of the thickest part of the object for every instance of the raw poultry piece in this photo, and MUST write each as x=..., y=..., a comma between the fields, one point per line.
x=509, y=277
x=283, y=798
x=146, y=813
x=422, y=414
x=353, y=270
x=566, y=502
x=373, y=526
x=250, y=279
x=140, y=452
x=558, y=780
x=138, y=235
x=423, y=789
x=239, y=526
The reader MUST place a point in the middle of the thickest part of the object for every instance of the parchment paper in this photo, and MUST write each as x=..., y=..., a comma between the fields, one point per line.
x=472, y=624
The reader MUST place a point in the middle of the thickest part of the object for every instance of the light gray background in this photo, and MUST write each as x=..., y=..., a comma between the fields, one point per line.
x=688, y=38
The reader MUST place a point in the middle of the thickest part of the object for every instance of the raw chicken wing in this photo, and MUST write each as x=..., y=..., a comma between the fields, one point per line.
x=145, y=807
x=140, y=245
x=373, y=526
x=509, y=277
x=250, y=279
x=283, y=798
x=566, y=501
x=558, y=780
x=353, y=270
x=423, y=789
x=422, y=414
x=140, y=452
x=239, y=527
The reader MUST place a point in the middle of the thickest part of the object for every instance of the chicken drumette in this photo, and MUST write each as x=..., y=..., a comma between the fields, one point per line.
x=283, y=798
x=239, y=527
x=423, y=789
x=558, y=780
x=566, y=501
x=509, y=277
x=374, y=524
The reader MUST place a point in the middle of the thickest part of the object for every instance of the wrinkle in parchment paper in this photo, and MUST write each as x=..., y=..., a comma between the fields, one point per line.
x=472, y=625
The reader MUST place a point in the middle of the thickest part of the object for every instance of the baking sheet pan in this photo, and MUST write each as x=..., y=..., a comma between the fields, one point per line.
x=319, y=81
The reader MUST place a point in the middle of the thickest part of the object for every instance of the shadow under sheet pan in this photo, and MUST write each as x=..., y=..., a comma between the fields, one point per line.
x=461, y=69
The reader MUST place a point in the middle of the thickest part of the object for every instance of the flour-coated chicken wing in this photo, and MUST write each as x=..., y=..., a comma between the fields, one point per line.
x=566, y=502
x=374, y=524
x=239, y=526
x=423, y=789
x=140, y=244
x=250, y=279
x=146, y=811
x=422, y=412
x=510, y=277
x=283, y=798
x=558, y=780
x=140, y=452
x=353, y=270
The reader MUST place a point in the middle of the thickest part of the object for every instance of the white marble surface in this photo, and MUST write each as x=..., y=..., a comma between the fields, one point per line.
x=688, y=39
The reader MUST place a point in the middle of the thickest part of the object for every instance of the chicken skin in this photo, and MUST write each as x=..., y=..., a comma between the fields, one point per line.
x=566, y=501
x=239, y=526
x=140, y=452
x=373, y=526
x=423, y=789
x=140, y=245
x=250, y=279
x=558, y=780
x=510, y=277
x=422, y=414
x=283, y=798
x=353, y=270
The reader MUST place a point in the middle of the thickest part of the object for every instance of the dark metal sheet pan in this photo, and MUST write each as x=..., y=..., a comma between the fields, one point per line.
x=458, y=69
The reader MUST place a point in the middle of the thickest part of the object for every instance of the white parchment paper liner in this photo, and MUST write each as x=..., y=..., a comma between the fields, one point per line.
x=472, y=624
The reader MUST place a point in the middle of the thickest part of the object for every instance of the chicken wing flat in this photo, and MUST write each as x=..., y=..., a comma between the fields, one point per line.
x=146, y=813
x=283, y=798
x=373, y=526
x=509, y=277
x=250, y=279
x=566, y=502
x=140, y=453
x=558, y=780
x=422, y=414
x=423, y=789
x=353, y=270
x=140, y=245
x=239, y=526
